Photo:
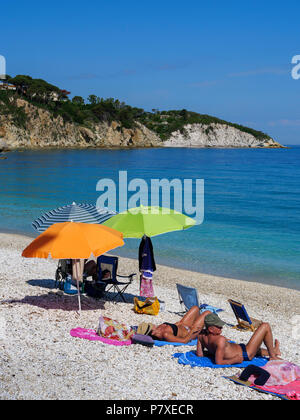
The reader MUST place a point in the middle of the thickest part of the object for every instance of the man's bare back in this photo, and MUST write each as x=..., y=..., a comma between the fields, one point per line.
x=228, y=353
x=225, y=353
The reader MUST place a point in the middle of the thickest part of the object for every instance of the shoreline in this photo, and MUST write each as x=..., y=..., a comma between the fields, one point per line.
x=226, y=278
x=40, y=360
x=213, y=284
x=110, y=147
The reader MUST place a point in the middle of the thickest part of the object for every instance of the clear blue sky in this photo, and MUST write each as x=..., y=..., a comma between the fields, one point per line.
x=230, y=59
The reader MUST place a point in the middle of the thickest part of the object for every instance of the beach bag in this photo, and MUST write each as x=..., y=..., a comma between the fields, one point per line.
x=114, y=330
x=146, y=286
x=69, y=288
x=150, y=306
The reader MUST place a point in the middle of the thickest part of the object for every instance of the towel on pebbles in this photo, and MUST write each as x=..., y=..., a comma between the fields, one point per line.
x=190, y=358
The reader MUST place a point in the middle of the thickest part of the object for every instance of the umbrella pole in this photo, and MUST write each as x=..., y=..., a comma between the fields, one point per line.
x=77, y=265
x=79, y=301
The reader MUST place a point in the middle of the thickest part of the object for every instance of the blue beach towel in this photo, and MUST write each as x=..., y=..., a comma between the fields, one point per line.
x=205, y=307
x=190, y=358
x=168, y=343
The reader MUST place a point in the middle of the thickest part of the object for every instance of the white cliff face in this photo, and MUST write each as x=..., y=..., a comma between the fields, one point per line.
x=216, y=135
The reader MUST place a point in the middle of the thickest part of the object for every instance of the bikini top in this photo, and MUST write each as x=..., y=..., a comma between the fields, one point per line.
x=174, y=328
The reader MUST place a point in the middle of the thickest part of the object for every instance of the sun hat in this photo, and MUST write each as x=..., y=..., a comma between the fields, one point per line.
x=145, y=328
x=213, y=320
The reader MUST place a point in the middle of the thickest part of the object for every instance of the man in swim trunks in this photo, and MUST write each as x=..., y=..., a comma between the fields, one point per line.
x=228, y=353
x=183, y=331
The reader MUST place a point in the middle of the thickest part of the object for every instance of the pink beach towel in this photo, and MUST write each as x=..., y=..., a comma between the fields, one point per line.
x=282, y=372
x=291, y=390
x=91, y=335
x=284, y=379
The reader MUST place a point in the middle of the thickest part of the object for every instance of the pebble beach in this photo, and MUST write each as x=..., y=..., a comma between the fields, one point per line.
x=40, y=360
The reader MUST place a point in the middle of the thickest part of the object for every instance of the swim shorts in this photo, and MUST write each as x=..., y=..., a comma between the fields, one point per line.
x=245, y=354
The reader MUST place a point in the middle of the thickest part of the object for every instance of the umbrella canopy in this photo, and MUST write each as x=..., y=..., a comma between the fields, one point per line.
x=149, y=221
x=81, y=213
x=74, y=240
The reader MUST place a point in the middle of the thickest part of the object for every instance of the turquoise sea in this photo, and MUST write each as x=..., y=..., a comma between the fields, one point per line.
x=252, y=203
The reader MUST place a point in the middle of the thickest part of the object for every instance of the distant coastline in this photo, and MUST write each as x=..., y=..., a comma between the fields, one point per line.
x=35, y=115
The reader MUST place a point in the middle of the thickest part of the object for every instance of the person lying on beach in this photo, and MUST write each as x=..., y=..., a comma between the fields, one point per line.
x=183, y=331
x=228, y=353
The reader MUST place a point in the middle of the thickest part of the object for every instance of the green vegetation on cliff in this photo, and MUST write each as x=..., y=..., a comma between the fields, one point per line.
x=56, y=101
x=9, y=108
x=164, y=123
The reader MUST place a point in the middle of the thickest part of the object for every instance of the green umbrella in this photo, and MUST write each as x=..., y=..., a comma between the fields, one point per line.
x=149, y=221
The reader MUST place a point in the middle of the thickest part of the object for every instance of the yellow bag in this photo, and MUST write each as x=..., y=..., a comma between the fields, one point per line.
x=151, y=306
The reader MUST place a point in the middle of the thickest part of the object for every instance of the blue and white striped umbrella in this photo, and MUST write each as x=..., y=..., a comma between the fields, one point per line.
x=81, y=213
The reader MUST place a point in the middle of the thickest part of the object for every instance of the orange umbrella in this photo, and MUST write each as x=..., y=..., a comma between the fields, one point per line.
x=75, y=241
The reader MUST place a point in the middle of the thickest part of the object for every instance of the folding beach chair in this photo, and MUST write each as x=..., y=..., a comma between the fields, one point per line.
x=245, y=322
x=188, y=297
x=105, y=265
x=64, y=268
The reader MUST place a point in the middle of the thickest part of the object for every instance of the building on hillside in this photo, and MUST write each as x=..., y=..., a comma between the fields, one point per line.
x=64, y=95
x=7, y=86
x=59, y=96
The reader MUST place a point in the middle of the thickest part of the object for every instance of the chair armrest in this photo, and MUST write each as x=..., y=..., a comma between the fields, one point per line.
x=127, y=277
x=256, y=322
x=106, y=281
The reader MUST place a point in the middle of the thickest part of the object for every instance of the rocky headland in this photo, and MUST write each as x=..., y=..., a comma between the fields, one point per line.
x=43, y=130
x=217, y=136
x=35, y=114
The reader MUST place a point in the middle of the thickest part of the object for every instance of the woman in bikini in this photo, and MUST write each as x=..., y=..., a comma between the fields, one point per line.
x=183, y=331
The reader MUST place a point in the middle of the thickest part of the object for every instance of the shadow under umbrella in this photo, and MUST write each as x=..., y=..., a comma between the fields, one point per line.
x=56, y=301
x=76, y=241
x=44, y=283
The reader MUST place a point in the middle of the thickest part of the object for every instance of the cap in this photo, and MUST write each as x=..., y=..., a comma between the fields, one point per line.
x=213, y=320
